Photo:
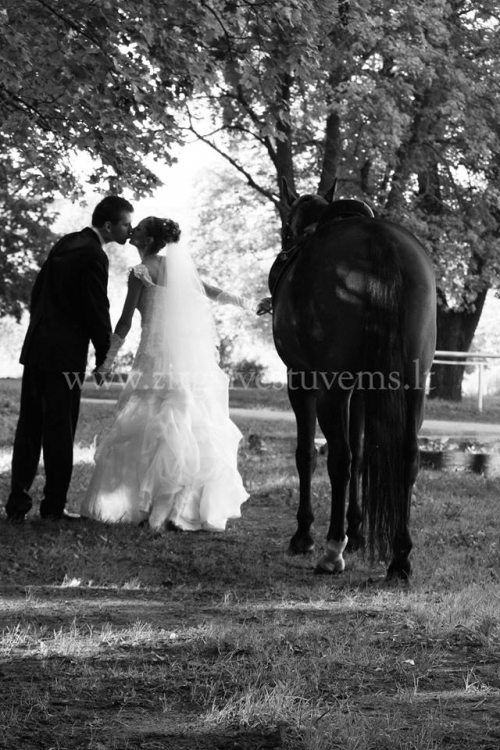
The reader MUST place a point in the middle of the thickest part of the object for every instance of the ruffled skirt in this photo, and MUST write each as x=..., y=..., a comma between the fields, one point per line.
x=170, y=456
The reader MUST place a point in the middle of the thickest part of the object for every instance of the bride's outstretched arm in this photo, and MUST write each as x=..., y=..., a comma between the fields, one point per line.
x=224, y=298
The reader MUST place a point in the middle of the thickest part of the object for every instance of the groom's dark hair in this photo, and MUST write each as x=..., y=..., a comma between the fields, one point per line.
x=110, y=209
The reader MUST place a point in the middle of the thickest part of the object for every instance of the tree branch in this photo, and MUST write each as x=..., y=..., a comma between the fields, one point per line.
x=221, y=24
x=16, y=102
x=253, y=184
x=253, y=117
x=73, y=26
x=266, y=141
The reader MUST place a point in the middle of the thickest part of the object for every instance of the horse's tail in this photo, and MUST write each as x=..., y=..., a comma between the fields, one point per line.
x=384, y=505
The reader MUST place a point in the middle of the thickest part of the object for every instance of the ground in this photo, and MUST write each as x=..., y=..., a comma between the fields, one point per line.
x=117, y=637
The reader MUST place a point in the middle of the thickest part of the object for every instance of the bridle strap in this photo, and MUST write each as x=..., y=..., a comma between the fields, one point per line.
x=290, y=255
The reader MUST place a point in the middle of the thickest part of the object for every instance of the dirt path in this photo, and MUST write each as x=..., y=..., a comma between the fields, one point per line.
x=480, y=431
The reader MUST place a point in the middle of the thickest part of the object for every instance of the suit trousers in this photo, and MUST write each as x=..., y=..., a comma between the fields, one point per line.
x=49, y=409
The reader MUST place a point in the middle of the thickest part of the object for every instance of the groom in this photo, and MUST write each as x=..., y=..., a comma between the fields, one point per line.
x=69, y=308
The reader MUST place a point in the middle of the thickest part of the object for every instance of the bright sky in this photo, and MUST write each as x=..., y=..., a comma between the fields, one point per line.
x=174, y=199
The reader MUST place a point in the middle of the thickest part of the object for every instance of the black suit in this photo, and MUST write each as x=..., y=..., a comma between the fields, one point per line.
x=69, y=308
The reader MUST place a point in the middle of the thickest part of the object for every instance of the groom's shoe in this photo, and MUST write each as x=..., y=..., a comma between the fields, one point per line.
x=16, y=507
x=64, y=515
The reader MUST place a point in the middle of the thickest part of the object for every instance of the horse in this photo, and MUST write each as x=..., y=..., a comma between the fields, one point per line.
x=354, y=321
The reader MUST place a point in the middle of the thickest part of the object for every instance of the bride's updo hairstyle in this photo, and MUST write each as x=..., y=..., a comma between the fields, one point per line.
x=163, y=232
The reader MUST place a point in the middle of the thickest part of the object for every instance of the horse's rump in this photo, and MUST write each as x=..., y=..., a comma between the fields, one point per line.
x=360, y=260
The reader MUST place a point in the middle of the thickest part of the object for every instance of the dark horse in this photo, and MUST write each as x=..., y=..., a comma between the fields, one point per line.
x=354, y=320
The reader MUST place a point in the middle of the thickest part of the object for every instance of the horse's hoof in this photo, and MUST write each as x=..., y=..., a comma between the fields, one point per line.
x=319, y=570
x=301, y=545
x=355, y=544
x=398, y=573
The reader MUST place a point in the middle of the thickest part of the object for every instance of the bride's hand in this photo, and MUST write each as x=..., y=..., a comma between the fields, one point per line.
x=101, y=374
x=265, y=306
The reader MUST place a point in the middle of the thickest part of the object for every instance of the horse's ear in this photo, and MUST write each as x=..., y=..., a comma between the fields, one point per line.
x=288, y=195
x=330, y=194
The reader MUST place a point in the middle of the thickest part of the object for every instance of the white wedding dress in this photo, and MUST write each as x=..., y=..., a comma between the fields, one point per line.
x=170, y=455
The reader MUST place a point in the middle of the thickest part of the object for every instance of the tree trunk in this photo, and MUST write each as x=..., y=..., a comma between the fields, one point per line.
x=332, y=153
x=455, y=331
x=332, y=144
x=424, y=120
x=283, y=160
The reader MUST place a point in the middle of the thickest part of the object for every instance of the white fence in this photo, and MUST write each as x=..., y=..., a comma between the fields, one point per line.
x=470, y=359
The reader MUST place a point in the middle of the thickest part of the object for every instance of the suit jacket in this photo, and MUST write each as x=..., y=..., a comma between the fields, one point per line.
x=69, y=306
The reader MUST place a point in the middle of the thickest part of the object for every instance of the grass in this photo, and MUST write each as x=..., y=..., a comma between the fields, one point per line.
x=114, y=637
x=465, y=410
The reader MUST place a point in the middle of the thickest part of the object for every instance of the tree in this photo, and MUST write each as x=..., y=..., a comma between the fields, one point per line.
x=25, y=236
x=104, y=78
x=233, y=242
x=76, y=76
x=398, y=102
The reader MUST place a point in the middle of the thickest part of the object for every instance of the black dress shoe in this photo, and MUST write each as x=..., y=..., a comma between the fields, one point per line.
x=63, y=516
x=16, y=507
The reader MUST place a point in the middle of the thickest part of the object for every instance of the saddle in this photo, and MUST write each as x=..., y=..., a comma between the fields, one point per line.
x=336, y=211
x=345, y=209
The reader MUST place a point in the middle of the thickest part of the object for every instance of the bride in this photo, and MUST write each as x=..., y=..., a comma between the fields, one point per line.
x=170, y=456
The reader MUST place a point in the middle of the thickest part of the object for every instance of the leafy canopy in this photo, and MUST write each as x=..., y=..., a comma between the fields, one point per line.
x=106, y=78
x=103, y=78
x=400, y=101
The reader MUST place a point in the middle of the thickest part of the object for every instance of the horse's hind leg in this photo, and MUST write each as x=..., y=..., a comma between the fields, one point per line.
x=333, y=416
x=355, y=535
x=303, y=401
x=400, y=566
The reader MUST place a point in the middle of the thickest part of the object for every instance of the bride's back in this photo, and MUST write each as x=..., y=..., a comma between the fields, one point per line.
x=156, y=265
x=152, y=272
